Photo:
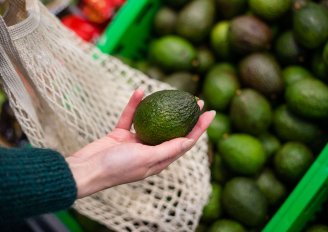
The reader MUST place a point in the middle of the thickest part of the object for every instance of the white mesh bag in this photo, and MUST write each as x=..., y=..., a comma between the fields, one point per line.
x=64, y=98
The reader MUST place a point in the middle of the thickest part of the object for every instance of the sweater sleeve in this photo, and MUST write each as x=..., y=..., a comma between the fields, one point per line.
x=33, y=181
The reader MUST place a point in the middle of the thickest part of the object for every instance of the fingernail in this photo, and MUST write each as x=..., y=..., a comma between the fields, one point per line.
x=139, y=89
x=186, y=145
x=201, y=103
x=213, y=112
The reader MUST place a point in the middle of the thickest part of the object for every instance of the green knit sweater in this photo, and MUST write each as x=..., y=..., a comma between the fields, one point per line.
x=32, y=182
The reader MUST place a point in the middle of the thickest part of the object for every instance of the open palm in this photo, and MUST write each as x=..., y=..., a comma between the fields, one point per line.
x=120, y=157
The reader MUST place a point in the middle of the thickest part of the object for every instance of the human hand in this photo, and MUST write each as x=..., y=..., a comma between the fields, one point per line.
x=120, y=157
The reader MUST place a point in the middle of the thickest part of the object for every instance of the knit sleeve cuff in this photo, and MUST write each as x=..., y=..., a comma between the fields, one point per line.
x=32, y=182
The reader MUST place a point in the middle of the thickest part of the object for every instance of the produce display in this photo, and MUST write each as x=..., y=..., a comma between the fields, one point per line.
x=87, y=18
x=263, y=66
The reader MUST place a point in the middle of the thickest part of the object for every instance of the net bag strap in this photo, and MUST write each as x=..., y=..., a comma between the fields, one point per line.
x=12, y=70
x=29, y=24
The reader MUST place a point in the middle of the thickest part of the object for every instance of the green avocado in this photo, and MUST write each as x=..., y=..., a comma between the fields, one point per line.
x=165, y=21
x=195, y=20
x=287, y=49
x=165, y=115
x=262, y=72
x=271, y=187
x=184, y=81
x=219, y=88
x=290, y=127
x=250, y=112
x=173, y=53
x=310, y=25
x=244, y=201
x=308, y=98
x=212, y=209
x=249, y=34
x=226, y=225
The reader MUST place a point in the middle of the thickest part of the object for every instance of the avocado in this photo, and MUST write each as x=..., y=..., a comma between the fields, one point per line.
x=195, y=20
x=219, y=171
x=219, y=88
x=308, y=98
x=310, y=25
x=231, y=8
x=226, y=225
x=294, y=73
x=242, y=153
x=165, y=115
x=292, y=161
x=262, y=72
x=219, y=127
x=271, y=187
x=212, y=210
x=271, y=144
x=165, y=21
x=248, y=34
x=172, y=53
x=319, y=66
x=290, y=127
x=288, y=50
x=205, y=59
x=184, y=81
x=224, y=67
x=243, y=201
x=270, y=9
x=250, y=112
x=220, y=39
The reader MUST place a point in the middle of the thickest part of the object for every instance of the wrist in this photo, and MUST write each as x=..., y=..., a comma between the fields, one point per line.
x=86, y=175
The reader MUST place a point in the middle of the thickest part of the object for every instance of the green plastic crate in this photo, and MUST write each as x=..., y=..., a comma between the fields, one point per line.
x=305, y=200
x=69, y=221
x=129, y=35
x=130, y=32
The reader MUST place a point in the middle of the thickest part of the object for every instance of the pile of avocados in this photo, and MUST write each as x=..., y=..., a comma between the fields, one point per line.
x=263, y=66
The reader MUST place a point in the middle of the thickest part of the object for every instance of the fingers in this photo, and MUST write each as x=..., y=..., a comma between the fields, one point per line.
x=175, y=147
x=126, y=118
x=200, y=104
x=170, y=149
x=203, y=123
x=166, y=153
